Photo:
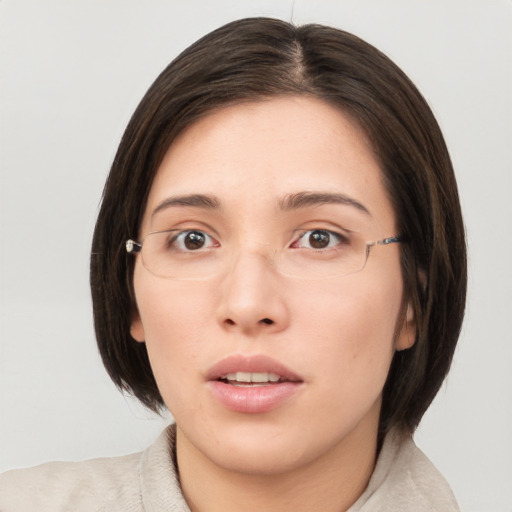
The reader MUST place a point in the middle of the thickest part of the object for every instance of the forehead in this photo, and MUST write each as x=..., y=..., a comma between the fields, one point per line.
x=256, y=154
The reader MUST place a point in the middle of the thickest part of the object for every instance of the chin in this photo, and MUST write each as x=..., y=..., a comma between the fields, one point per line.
x=264, y=446
x=260, y=461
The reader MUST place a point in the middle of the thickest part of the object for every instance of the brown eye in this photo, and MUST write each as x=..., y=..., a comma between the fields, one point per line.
x=319, y=239
x=194, y=240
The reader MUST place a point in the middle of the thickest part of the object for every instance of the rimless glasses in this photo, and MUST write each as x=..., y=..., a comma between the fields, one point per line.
x=313, y=254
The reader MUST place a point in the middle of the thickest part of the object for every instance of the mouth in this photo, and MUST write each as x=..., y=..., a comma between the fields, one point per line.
x=252, y=384
x=259, y=370
x=245, y=379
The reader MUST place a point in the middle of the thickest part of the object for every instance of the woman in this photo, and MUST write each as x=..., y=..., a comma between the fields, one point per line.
x=279, y=260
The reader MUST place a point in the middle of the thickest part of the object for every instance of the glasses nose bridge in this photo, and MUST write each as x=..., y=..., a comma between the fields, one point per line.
x=255, y=250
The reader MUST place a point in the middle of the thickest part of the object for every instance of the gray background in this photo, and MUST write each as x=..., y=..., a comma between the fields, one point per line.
x=71, y=74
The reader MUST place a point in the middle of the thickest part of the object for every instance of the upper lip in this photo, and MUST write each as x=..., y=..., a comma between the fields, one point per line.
x=251, y=364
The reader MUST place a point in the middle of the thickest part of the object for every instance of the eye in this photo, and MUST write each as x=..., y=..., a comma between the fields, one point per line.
x=319, y=239
x=192, y=240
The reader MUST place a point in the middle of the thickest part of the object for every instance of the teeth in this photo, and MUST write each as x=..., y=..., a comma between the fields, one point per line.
x=264, y=377
x=257, y=377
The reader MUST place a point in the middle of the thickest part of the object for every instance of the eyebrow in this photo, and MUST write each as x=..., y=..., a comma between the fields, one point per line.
x=289, y=202
x=194, y=200
x=305, y=199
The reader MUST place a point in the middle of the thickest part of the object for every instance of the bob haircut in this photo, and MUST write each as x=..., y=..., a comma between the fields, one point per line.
x=256, y=59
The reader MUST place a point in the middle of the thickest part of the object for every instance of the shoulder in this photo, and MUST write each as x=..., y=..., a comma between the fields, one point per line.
x=132, y=483
x=422, y=480
x=405, y=479
x=89, y=485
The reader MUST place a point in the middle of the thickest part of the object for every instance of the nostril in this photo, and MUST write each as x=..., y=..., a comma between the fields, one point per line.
x=266, y=321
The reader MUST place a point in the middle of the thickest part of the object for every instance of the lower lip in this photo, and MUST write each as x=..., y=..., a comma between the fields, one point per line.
x=253, y=399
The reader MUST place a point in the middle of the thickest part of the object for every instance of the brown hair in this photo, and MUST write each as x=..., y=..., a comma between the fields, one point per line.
x=254, y=59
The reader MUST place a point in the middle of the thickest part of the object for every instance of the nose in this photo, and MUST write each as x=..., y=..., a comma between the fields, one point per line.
x=253, y=297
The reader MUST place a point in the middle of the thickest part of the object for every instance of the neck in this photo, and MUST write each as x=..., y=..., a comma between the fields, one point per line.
x=332, y=482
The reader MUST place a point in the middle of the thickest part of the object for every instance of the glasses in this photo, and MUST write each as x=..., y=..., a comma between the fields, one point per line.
x=193, y=254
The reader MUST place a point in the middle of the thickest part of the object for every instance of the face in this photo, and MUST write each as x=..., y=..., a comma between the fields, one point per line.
x=287, y=174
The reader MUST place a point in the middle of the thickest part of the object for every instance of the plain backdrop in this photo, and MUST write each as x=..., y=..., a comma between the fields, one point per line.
x=72, y=72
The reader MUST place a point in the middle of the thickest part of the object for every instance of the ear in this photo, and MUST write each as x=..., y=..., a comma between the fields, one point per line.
x=137, y=329
x=407, y=335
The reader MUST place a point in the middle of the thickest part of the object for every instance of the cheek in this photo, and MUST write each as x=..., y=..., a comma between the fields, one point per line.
x=174, y=331
x=351, y=334
x=168, y=307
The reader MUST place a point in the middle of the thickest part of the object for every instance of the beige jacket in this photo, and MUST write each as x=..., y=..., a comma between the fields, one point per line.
x=404, y=480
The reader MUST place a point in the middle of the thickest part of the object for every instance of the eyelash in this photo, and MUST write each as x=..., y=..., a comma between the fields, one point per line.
x=334, y=236
x=178, y=241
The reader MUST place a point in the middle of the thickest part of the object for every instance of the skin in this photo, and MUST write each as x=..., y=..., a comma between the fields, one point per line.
x=317, y=450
